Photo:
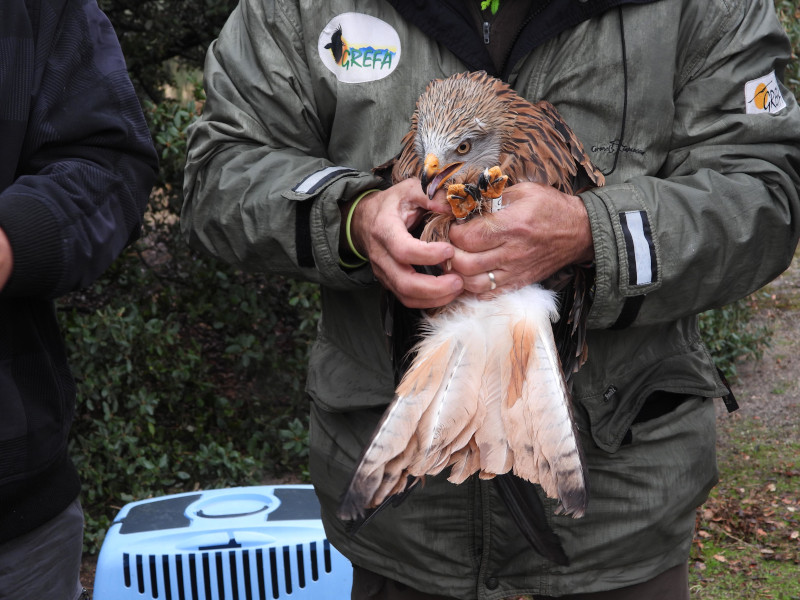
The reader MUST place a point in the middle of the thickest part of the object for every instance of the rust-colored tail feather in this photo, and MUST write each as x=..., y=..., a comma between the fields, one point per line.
x=484, y=394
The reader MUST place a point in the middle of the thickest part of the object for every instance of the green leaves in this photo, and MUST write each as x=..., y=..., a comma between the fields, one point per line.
x=789, y=15
x=494, y=4
x=190, y=374
x=168, y=122
x=158, y=35
x=730, y=333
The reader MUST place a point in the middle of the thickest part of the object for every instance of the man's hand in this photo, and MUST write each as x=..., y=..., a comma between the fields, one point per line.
x=6, y=259
x=379, y=230
x=539, y=231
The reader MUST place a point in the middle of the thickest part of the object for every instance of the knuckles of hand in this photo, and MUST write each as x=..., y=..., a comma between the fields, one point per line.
x=526, y=241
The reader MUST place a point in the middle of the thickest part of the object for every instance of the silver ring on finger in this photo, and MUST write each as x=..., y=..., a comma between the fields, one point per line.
x=492, y=282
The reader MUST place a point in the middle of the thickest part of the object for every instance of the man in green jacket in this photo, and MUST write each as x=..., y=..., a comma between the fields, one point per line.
x=680, y=104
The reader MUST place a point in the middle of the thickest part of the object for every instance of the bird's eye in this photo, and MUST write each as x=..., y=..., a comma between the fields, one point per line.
x=464, y=147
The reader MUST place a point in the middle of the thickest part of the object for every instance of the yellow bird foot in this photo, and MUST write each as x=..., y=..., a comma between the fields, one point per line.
x=464, y=199
x=492, y=182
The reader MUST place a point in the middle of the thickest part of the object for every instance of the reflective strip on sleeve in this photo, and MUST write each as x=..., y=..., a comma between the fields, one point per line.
x=317, y=180
x=642, y=267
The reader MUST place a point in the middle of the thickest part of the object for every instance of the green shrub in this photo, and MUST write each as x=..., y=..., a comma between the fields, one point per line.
x=168, y=122
x=187, y=389
x=190, y=373
x=732, y=334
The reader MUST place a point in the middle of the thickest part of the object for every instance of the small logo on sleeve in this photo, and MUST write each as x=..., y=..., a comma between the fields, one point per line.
x=763, y=95
x=358, y=48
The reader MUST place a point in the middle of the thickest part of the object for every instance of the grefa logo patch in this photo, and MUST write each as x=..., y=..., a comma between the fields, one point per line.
x=358, y=48
x=763, y=95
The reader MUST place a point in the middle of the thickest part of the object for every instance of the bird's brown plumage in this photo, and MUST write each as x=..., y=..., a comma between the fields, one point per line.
x=486, y=392
x=533, y=142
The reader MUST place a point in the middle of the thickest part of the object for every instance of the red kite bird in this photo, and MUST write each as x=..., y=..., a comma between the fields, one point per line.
x=494, y=398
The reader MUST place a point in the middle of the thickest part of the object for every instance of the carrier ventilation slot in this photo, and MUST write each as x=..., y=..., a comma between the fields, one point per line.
x=233, y=575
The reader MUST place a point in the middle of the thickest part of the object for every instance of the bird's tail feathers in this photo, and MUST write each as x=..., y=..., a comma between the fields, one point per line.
x=536, y=409
x=484, y=394
x=431, y=416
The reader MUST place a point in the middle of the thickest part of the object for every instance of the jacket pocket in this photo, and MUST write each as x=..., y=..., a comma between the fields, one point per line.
x=645, y=392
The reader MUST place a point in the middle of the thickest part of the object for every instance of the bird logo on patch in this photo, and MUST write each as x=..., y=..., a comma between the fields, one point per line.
x=370, y=52
x=763, y=95
x=338, y=46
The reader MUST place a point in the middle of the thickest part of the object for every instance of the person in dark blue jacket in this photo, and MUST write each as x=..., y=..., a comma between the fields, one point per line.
x=76, y=167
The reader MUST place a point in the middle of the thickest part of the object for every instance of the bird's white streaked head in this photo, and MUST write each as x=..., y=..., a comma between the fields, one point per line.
x=471, y=136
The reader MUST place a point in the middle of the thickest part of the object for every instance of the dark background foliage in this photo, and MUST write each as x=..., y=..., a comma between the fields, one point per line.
x=190, y=373
x=155, y=34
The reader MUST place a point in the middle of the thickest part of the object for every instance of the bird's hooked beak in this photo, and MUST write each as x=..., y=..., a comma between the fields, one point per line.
x=433, y=176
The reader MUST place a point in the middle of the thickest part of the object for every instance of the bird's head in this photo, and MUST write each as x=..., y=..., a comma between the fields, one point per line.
x=462, y=126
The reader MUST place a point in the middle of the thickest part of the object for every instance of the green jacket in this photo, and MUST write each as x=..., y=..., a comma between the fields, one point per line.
x=700, y=209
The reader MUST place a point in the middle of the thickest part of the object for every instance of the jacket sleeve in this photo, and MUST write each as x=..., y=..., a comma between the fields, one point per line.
x=721, y=218
x=260, y=191
x=87, y=163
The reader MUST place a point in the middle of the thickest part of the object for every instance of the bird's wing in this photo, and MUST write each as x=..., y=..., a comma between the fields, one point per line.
x=573, y=284
x=544, y=149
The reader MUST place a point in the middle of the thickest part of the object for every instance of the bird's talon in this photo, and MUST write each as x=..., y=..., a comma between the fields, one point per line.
x=492, y=182
x=464, y=199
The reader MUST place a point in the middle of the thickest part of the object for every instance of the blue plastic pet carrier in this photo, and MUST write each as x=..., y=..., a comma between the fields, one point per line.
x=247, y=543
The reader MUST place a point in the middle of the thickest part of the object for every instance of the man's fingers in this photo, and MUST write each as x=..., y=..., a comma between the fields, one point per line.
x=415, y=252
x=484, y=233
x=472, y=265
x=392, y=258
x=439, y=203
x=417, y=290
x=486, y=281
x=428, y=291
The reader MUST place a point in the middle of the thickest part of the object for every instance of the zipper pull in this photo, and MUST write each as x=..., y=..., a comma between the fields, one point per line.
x=486, y=32
x=610, y=393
